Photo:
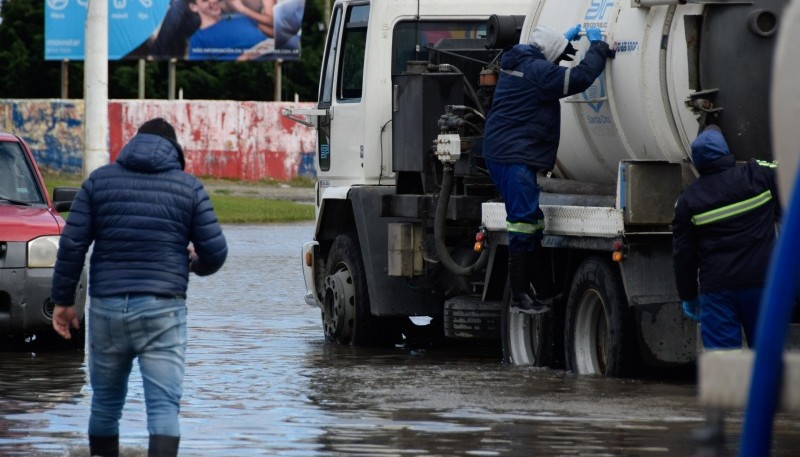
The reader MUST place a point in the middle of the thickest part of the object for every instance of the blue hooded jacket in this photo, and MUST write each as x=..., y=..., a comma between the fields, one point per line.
x=141, y=213
x=524, y=124
x=724, y=227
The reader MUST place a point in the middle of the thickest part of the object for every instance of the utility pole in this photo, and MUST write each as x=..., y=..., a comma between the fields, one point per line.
x=95, y=87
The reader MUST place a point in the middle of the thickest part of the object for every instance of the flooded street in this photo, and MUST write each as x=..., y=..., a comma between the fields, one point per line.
x=261, y=381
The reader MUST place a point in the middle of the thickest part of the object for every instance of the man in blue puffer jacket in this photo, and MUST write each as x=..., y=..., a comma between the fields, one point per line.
x=151, y=224
x=522, y=135
x=724, y=232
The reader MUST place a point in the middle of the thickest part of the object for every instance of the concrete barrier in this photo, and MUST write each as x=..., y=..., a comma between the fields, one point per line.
x=250, y=141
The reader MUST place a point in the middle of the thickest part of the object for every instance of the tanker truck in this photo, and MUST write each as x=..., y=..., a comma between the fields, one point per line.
x=410, y=238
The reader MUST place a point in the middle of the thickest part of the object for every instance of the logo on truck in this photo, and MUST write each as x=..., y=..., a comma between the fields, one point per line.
x=595, y=95
x=596, y=13
x=597, y=10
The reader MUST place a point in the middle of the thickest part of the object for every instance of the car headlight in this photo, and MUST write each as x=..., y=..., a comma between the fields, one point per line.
x=42, y=252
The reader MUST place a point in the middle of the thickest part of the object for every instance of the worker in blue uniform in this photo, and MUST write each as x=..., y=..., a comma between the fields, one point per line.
x=724, y=231
x=522, y=134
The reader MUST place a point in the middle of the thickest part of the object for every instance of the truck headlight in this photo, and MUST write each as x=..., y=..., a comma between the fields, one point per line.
x=42, y=252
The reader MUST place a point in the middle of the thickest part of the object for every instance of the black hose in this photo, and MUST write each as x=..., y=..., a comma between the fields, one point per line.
x=438, y=230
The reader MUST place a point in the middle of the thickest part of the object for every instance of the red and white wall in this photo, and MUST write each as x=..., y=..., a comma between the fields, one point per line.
x=224, y=139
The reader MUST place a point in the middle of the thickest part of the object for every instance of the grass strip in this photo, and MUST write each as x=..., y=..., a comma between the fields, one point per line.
x=230, y=209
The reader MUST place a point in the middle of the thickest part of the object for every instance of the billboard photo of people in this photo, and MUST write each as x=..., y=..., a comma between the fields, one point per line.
x=181, y=29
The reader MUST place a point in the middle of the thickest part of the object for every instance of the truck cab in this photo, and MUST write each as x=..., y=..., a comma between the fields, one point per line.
x=410, y=224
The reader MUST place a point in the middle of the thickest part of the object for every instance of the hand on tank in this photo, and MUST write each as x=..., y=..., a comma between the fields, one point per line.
x=594, y=34
x=573, y=33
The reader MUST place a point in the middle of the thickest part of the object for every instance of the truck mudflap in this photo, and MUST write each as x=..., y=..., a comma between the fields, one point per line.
x=309, y=256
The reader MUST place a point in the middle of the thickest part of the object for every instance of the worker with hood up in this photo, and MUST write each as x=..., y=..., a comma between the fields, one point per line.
x=522, y=134
x=724, y=232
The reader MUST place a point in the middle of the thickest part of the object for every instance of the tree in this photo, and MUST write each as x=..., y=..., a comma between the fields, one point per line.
x=25, y=74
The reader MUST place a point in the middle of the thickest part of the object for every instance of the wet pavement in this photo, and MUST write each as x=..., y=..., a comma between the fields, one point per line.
x=261, y=381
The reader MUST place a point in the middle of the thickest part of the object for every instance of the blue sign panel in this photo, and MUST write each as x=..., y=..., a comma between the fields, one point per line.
x=182, y=29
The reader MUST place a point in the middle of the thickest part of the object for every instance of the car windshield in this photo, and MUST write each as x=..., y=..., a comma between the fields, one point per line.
x=18, y=182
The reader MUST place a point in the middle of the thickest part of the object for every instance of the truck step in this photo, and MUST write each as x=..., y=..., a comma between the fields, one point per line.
x=472, y=318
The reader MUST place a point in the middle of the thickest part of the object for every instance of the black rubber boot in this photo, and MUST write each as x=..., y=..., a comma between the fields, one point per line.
x=540, y=273
x=521, y=300
x=163, y=446
x=104, y=446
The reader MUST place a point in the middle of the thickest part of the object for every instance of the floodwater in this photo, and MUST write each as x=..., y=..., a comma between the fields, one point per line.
x=261, y=381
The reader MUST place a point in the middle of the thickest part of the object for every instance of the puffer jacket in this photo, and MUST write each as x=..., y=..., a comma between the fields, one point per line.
x=141, y=213
x=524, y=124
x=724, y=228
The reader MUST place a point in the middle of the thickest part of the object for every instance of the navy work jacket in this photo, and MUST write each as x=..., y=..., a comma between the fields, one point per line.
x=141, y=213
x=524, y=123
x=724, y=228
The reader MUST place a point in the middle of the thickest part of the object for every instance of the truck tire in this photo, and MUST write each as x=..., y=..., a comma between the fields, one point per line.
x=530, y=340
x=598, y=336
x=346, y=317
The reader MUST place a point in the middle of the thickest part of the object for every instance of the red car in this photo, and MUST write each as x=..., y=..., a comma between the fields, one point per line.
x=30, y=227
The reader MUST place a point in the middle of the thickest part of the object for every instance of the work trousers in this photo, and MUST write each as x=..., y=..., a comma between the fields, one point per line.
x=724, y=314
x=151, y=329
x=520, y=191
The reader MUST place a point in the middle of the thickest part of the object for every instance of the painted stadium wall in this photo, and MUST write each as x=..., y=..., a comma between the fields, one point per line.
x=240, y=140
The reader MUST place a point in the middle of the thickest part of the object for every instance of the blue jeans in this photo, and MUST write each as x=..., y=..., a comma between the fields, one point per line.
x=724, y=314
x=124, y=327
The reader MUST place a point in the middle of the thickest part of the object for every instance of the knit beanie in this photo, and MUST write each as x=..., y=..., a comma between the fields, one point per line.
x=159, y=126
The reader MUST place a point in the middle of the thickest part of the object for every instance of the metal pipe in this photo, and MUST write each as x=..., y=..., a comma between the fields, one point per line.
x=649, y=3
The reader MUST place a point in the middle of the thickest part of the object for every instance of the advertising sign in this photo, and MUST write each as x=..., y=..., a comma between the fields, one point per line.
x=181, y=29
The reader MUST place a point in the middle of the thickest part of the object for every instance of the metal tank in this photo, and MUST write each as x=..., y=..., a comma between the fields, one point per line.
x=786, y=102
x=678, y=63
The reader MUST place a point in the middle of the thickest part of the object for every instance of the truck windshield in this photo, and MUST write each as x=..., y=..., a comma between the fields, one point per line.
x=412, y=38
x=18, y=181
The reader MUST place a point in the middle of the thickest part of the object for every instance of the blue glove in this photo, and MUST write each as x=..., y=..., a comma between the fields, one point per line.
x=593, y=34
x=692, y=309
x=573, y=33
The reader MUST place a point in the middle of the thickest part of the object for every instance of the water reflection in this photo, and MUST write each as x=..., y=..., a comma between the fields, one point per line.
x=262, y=382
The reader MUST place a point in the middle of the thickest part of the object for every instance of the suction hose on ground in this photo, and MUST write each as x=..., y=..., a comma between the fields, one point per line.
x=438, y=230
x=771, y=331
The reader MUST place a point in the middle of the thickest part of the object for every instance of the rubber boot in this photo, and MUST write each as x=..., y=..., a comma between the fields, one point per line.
x=163, y=446
x=104, y=446
x=541, y=273
x=521, y=300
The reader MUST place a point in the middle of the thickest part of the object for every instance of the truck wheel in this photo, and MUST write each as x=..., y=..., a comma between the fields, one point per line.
x=526, y=339
x=598, y=336
x=346, y=317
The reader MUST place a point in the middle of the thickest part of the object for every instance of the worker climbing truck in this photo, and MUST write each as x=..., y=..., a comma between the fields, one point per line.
x=409, y=223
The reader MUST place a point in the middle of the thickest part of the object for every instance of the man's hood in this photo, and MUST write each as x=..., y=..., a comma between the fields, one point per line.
x=548, y=41
x=150, y=154
x=708, y=148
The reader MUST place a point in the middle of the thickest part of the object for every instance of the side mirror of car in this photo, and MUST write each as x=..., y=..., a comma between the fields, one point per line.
x=63, y=198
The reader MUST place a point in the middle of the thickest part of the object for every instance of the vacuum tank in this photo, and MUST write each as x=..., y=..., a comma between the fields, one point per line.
x=678, y=65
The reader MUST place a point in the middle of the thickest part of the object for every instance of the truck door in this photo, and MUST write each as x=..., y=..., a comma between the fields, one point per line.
x=340, y=141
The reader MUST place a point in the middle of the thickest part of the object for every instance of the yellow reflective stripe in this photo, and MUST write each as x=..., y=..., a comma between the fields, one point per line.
x=732, y=210
x=767, y=164
x=524, y=227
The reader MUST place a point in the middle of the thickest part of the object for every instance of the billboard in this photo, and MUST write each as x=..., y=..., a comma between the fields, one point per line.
x=181, y=29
